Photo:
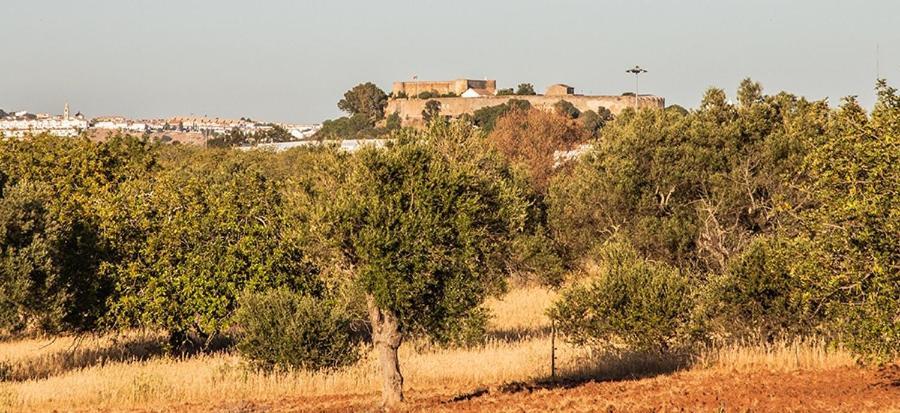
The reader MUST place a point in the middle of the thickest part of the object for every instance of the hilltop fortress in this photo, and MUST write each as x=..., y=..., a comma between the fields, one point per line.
x=465, y=96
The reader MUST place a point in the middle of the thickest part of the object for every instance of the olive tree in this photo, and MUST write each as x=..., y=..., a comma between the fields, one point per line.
x=422, y=228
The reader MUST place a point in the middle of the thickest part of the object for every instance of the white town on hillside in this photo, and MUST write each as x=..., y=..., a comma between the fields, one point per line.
x=23, y=123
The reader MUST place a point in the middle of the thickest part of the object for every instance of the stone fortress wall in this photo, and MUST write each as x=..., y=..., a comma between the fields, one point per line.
x=410, y=109
x=443, y=87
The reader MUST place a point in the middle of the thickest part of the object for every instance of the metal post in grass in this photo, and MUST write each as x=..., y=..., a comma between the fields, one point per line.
x=553, y=350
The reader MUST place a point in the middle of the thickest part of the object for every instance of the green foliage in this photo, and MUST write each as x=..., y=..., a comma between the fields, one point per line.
x=677, y=108
x=236, y=137
x=52, y=255
x=758, y=296
x=432, y=110
x=428, y=94
x=39, y=292
x=195, y=236
x=485, y=118
x=629, y=302
x=467, y=330
x=689, y=189
x=366, y=100
x=354, y=127
x=505, y=92
x=535, y=257
x=853, y=261
x=566, y=109
x=425, y=226
x=393, y=122
x=525, y=89
x=593, y=122
x=281, y=329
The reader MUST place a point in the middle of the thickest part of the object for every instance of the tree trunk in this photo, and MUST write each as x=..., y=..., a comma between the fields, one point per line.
x=387, y=339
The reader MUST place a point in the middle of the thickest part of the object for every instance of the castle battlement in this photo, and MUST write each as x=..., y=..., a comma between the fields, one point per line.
x=410, y=109
x=443, y=87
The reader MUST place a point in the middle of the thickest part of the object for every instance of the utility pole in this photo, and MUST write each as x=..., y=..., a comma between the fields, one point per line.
x=637, y=70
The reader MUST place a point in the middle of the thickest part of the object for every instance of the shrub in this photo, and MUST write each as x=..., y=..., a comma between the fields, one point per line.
x=280, y=329
x=566, y=109
x=630, y=301
x=757, y=296
x=467, y=330
x=525, y=89
x=428, y=94
x=486, y=117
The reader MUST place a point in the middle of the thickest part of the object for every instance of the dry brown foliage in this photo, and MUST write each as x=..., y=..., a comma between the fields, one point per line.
x=530, y=139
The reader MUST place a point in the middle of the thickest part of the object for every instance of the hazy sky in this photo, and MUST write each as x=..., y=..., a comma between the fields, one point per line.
x=291, y=60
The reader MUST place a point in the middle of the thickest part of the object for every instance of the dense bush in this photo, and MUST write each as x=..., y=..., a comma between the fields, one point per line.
x=198, y=234
x=40, y=289
x=486, y=117
x=628, y=301
x=53, y=196
x=757, y=296
x=566, y=109
x=851, y=267
x=281, y=329
x=689, y=189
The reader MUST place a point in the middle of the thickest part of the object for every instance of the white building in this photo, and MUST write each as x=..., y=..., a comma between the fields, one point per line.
x=125, y=126
x=477, y=93
x=349, y=145
x=66, y=126
x=303, y=131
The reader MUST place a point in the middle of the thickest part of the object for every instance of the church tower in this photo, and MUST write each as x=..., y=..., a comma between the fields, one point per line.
x=66, y=112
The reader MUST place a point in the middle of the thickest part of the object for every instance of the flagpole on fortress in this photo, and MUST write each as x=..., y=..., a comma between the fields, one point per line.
x=637, y=70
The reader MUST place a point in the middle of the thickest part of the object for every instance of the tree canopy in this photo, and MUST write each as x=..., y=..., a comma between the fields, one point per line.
x=364, y=99
x=423, y=228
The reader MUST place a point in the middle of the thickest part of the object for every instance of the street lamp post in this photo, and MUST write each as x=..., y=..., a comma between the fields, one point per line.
x=637, y=70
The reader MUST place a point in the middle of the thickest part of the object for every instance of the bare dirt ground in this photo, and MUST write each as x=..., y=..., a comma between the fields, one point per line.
x=839, y=390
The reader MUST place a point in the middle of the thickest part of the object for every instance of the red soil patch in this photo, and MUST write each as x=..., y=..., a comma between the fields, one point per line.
x=840, y=390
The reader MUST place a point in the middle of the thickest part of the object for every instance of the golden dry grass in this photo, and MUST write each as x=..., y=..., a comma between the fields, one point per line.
x=121, y=373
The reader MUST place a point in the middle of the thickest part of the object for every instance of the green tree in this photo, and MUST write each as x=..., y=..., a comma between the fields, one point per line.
x=196, y=236
x=422, y=227
x=432, y=110
x=54, y=193
x=486, y=117
x=689, y=188
x=428, y=94
x=852, y=254
x=525, y=89
x=365, y=99
x=354, y=127
x=593, y=122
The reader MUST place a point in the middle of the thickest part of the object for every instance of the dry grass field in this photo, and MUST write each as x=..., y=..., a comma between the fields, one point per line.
x=509, y=373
